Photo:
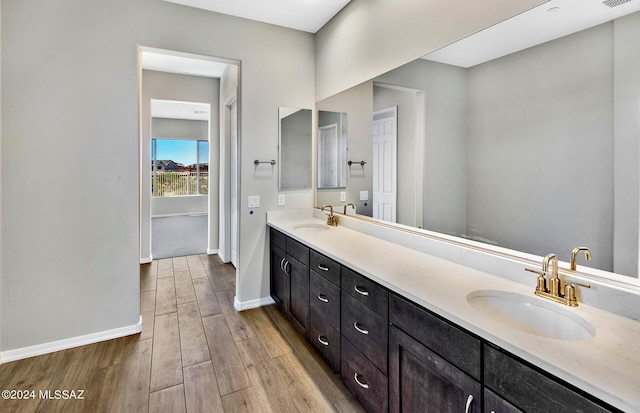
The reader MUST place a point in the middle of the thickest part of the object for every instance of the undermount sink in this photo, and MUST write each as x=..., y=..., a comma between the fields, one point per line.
x=531, y=314
x=312, y=227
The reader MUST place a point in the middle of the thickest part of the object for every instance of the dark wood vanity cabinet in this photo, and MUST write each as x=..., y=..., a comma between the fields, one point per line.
x=290, y=279
x=434, y=366
x=394, y=355
x=527, y=389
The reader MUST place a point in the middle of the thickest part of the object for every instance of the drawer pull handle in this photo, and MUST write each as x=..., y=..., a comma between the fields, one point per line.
x=323, y=267
x=323, y=298
x=467, y=408
x=360, y=290
x=323, y=340
x=282, y=264
x=361, y=384
x=360, y=330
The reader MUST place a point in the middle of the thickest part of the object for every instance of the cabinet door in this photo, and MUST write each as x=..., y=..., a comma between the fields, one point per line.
x=299, y=294
x=422, y=381
x=532, y=390
x=279, y=279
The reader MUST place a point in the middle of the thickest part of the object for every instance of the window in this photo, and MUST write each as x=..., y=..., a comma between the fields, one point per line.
x=179, y=167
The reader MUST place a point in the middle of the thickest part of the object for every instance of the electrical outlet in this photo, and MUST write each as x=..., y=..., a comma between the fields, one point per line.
x=343, y=196
x=280, y=199
x=254, y=201
x=364, y=195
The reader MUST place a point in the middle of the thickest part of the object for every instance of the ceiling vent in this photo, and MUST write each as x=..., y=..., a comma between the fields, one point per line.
x=614, y=3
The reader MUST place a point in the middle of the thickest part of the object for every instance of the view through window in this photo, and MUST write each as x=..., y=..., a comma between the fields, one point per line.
x=179, y=167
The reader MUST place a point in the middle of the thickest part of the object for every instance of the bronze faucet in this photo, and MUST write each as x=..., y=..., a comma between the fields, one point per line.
x=332, y=220
x=552, y=288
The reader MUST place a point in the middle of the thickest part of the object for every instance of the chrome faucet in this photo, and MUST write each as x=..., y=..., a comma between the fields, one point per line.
x=347, y=205
x=331, y=219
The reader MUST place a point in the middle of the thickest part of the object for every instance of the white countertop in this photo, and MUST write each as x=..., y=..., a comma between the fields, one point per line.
x=606, y=366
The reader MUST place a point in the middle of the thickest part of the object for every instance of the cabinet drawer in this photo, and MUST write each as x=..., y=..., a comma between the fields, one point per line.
x=324, y=266
x=496, y=404
x=324, y=297
x=298, y=251
x=530, y=390
x=368, y=331
x=278, y=238
x=366, y=291
x=363, y=379
x=452, y=343
x=326, y=340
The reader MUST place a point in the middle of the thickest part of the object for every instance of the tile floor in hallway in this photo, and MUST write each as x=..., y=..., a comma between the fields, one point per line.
x=196, y=353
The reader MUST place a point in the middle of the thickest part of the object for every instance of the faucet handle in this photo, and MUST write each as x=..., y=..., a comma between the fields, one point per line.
x=570, y=292
x=541, y=282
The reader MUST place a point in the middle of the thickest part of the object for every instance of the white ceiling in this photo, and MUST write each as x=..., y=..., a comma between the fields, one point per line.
x=305, y=15
x=549, y=21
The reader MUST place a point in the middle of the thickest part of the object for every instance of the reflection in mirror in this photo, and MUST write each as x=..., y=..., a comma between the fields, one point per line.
x=535, y=151
x=332, y=149
x=294, y=148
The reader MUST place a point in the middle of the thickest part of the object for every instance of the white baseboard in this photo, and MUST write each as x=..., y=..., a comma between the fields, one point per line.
x=212, y=252
x=248, y=305
x=148, y=260
x=37, y=350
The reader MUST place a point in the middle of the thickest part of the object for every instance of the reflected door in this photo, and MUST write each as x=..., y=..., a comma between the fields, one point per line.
x=385, y=164
x=328, y=163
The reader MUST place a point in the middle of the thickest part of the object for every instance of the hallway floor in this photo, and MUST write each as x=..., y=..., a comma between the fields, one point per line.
x=195, y=354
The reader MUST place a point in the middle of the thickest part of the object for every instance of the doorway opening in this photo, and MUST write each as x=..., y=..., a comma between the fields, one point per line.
x=179, y=183
x=197, y=188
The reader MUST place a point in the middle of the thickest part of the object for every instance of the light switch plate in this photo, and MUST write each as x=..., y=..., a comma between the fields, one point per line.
x=343, y=196
x=281, y=200
x=254, y=201
x=364, y=195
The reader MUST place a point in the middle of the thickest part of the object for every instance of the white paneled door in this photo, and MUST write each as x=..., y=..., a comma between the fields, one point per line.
x=329, y=156
x=385, y=141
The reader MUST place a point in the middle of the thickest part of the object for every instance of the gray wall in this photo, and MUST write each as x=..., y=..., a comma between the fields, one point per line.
x=71, y=266
x=369, y=38
x=540, y=148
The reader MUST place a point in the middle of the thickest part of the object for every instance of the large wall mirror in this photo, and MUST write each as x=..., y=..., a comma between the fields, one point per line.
x=294, y=148
x=531, y=147
x=332, y=149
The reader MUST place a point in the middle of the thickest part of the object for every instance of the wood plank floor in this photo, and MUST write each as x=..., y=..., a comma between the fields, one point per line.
x=196, y=353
